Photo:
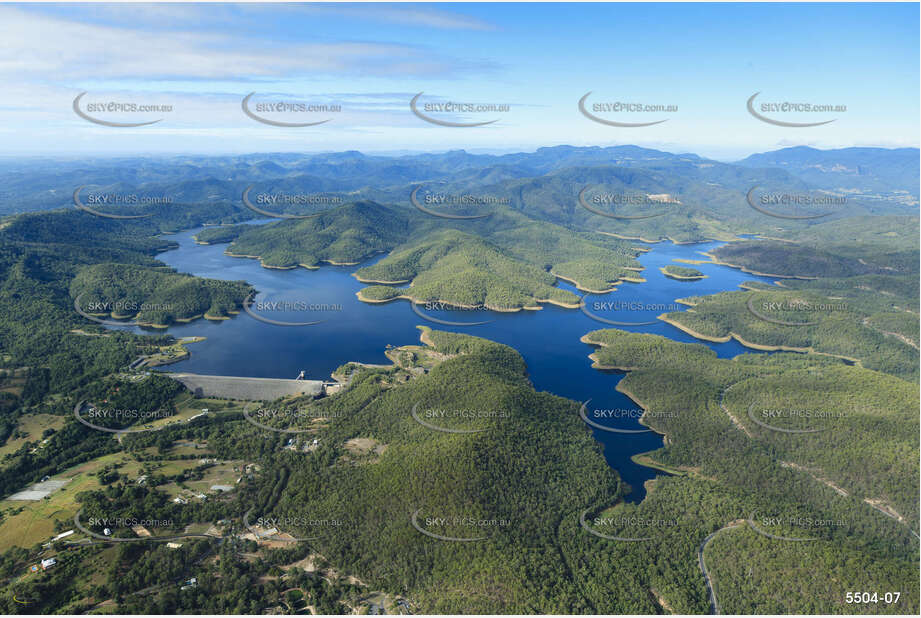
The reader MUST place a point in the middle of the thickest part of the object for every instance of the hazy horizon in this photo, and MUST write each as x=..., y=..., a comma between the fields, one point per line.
x=397, y=153
x=702, y=62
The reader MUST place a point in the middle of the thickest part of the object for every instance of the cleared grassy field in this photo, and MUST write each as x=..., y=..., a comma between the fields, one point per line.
x=33, y=425
x=33, y=522
x=221, y=474
x=187, y=407
x=26, y=523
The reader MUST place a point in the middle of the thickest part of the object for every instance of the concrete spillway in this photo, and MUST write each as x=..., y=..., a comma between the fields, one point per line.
x=246, y=389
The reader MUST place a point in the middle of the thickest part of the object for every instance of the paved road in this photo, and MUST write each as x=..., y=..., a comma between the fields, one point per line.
x=714, y=603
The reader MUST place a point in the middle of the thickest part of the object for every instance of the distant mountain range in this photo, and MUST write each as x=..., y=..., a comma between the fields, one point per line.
x=866, y=170
x=879, y=181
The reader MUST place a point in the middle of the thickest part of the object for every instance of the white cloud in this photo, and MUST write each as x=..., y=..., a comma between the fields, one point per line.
x=405, y=14
x=36, y=46
x=171, y=14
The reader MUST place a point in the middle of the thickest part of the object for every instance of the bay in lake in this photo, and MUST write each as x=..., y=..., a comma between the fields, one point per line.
x=548, y=339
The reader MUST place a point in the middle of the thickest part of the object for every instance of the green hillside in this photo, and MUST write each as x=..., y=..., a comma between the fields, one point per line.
x=154, y=297
x=853, y=324
x=461, y=269
x=845, y=480
x=348, y=234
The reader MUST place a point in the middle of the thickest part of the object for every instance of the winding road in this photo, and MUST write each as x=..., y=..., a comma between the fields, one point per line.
x=714, y=603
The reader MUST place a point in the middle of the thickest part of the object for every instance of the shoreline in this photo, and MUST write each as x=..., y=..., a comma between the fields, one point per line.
x=716, y=260
x=380, y=281
x=664, y=270
x=750, y=287
x=645, y=409
x=574, y=282
x=694, y=333
x=317, y=266
x=639, y=238
x=646, y=460
x=687, y=261
x=596, y=364
x=614, y=285
x=640, y=459
x=415, y=301
x=378, y=301
x=725, y=339
x=264, y=265
x=668, y=238
x=150, y=361
x=176, y=321
x=425, y=336
x=757, y=346
x=579, y=287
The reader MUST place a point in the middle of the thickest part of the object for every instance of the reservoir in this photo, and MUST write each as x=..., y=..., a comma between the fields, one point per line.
x=352, y=330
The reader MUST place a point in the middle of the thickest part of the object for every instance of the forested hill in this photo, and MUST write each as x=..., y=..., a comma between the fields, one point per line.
x=505, y=261
x=820, y=450
x=48, y=259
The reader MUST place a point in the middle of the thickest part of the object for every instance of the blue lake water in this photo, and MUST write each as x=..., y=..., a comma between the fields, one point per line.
x=548, y=339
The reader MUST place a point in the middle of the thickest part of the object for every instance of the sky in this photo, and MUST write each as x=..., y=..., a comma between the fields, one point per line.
x=697, y=63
